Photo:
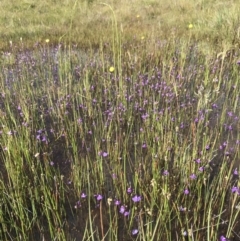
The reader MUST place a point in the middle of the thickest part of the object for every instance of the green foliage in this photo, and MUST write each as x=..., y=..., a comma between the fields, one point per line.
x=98, y=99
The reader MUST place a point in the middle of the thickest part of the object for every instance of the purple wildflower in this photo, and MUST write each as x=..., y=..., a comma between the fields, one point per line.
x=193, y=176
x=235, y=189
x=201, y=169
x=198, y=160
x=135, y=231
x=117, y=202
x=165, y=173
x=126, y=213
x=136, y=198
x=144, y=145
x=214, y=106
x=122, y=209
x=186, y=191
x=83, y=195
x=129, y=190
x=104, y=154
x=235, y=172
x=222, y=238
x=99, y=197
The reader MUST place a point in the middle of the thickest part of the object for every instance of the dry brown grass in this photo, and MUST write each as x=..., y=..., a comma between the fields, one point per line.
x=214, y=22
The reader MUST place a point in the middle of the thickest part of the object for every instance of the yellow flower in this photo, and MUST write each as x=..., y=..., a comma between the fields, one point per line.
x=111, y=69
x=190, y=26
x=138, y=16
x=47, y=40
x=142, y=38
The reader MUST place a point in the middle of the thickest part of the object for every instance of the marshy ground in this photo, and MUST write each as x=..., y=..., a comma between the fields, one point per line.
x=128, y=133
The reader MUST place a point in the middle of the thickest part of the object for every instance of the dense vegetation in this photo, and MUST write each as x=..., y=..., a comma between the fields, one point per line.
x=120, y=120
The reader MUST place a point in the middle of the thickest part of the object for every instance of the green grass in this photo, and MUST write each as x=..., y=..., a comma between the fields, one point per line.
x=88, y=23
x=124, y=125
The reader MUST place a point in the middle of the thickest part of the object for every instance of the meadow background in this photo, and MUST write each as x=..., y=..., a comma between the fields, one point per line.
x=119, y=120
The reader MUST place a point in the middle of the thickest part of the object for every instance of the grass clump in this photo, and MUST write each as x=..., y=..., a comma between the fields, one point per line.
x=133, y=138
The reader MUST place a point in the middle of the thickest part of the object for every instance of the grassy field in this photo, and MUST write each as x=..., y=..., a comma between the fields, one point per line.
x=119, y=120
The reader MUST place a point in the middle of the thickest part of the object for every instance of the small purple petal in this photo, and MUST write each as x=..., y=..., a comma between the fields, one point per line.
x=198, y=160
x=222, y=238
x=117, y=202
x=99, y=197
x=104, y=154
x=193, y=176
x=165, y=173
x=129, y=190
x=135, y=231
x=122, y=209
x=126, y=213
x=234, y=189
x=136, y=198
x=186, y=191
x=83, y=195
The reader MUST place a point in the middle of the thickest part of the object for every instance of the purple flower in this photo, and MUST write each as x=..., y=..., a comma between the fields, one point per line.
x=144, y=145
x=214, y=106
x=129, y=190
x=198, y=160
x=104, y=154
x=99, y=197
x=136, y=198
x=222, y=238
x=235, y=189
x=235, y=172
x=83, y=195
x=165, y=173
x=193, y=176
x=126, y=213
x=201, y=169
x=117, y=202
x=44, y=138
x=122, y=209
x=135, y=231
x=186, y=191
